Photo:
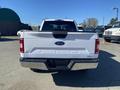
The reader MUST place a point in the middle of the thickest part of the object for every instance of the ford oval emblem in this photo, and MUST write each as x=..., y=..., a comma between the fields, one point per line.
x=59, y=43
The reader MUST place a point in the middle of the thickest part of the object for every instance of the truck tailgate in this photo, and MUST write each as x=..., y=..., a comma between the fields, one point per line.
x=45, y=45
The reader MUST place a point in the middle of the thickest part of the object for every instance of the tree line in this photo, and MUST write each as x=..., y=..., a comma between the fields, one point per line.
x=93, y=22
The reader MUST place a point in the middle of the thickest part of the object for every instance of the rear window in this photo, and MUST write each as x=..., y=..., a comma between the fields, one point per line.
x=91, y=30
x=59, y=26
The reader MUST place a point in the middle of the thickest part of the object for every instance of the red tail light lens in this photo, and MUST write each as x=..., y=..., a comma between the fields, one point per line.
x=97, y=42
x=22, y=45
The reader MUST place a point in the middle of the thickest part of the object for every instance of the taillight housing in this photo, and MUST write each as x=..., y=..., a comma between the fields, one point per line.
x=97, y=42
x=22, y=45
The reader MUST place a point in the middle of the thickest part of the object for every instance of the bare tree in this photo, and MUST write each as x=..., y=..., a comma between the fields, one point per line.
x=91, y=22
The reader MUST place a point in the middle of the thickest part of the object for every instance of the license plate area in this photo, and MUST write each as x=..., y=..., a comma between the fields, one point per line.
x=53, y=63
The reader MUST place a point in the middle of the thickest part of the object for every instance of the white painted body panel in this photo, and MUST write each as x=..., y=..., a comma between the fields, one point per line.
x=42, y=45
x=112, y=32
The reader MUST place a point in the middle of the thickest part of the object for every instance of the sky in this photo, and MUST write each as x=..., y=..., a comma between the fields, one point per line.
x=34, y=11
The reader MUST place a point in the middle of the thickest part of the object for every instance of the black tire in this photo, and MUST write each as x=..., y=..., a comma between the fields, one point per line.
x=41, y=71
x=35, y=70
x=84, y=71
x=107, y=40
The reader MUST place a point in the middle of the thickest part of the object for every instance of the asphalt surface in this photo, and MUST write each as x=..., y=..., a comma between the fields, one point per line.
x=15, y=77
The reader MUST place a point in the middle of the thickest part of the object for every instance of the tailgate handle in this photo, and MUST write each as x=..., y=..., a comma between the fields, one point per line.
x=60, y=43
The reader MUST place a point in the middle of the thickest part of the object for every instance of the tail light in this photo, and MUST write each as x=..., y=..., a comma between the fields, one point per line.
x=97, y=42
x=22, y=45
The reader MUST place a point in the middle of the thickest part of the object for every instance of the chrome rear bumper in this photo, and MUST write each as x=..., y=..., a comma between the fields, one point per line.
x=74, y=64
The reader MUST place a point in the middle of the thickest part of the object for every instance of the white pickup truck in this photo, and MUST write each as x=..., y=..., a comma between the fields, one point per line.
x=112, y=33
x=59, y=46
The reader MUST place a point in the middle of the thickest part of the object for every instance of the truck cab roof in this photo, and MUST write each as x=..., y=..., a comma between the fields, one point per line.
x=59, y=20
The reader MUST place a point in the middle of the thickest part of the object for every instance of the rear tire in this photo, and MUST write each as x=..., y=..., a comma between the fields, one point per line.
x=84, y=71
x=35, y=70
x=40, y=71
x=107, y=40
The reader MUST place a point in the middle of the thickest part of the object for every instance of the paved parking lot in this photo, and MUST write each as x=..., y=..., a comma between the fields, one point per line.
x=15, y=77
